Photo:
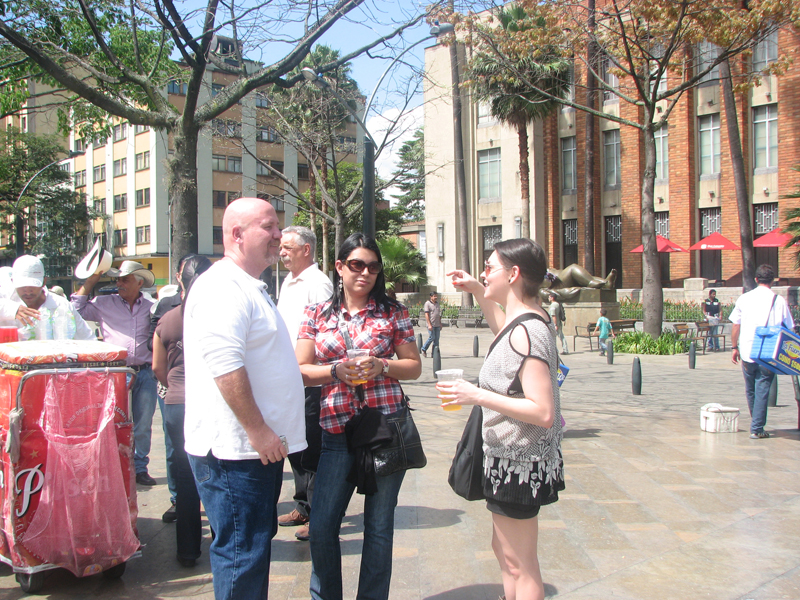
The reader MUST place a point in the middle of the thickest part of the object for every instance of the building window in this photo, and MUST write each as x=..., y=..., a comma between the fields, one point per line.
x=302, y=171
x=120, y=131
x=765, y=219
x=226, y=128
x=216, y=235
x=662, y=224
x=120, y=167
x=484, y=113
x=569, y=165
x=612, y=159
x=233, y=196
x=710, y=221
x=766, y=49
x=120, y=202
x=100, y=206
x=120, y=237
x=570, y=242
x=137, y=129
x=81, y=145
x=80, y=178
x=662, y=153
x=216, y=88
x=261, y=100
x=99, y=173
x=143, y=197
x=709, y=144
x=490, y=236
x=177, y=87
x=235, y=164
x=219, y=162
x=710, y=260
x=277, y=165
x=219, y=198
x=765, y=136
x=706, y=55
x=268, y=134
x=142, y=161
x=347, y=144
x=489, y=175
x=610, y=81
x=143, y=234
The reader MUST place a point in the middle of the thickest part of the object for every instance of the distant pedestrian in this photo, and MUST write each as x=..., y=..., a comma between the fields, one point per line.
x=433, y=320
x=558, y=317
x=711, y=312
x=603, y=330
x=757, y=308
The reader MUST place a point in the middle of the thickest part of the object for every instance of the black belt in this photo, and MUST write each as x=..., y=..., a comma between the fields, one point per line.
x=138, y=368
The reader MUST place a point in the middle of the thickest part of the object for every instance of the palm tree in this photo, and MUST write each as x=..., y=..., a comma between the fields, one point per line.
x=792, y=221
x=402, y=263
x=512, y=102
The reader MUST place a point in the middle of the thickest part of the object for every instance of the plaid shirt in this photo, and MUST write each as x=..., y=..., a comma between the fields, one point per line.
x=373, y=329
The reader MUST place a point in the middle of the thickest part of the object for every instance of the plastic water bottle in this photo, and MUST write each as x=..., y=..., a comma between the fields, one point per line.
x=63, y=324
x=44, y=326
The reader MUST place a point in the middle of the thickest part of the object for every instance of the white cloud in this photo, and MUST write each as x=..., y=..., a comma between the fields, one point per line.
x=406, y=124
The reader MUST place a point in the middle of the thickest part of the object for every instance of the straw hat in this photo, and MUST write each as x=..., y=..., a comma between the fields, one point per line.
x=97, y=261
x=131, y=267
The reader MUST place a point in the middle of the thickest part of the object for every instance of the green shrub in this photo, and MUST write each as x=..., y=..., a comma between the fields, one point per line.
x=639, y=342
x=674, y=312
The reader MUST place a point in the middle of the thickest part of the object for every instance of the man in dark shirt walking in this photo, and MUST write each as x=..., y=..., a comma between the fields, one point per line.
x=711, y=313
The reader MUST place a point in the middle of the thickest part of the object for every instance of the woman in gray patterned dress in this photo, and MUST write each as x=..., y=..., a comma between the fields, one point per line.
x=518, y=394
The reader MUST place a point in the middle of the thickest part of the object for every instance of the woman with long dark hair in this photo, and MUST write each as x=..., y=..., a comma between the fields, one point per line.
x=361, y=311
x=518, y=395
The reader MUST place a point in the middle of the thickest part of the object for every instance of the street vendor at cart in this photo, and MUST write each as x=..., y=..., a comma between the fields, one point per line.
x=31, y=302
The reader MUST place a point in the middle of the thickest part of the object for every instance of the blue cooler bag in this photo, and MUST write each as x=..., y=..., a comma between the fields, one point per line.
x=777, y=349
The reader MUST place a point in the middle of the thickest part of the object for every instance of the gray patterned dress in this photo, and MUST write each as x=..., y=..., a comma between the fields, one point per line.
x=522, y=462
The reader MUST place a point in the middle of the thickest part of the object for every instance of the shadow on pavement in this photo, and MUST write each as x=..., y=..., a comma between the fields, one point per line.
x=483, y=591
x=581, y=433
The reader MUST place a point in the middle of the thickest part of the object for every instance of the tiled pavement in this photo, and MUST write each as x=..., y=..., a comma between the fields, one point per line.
x=654, y=507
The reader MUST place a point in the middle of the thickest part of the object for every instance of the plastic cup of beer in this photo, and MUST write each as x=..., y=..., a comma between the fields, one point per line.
x=8, y=334
x=357, y=354
x=449, y=375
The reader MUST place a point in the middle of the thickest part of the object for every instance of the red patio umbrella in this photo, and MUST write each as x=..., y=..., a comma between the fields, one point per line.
x=773, y=239
x=662, y=245
x=715, y=241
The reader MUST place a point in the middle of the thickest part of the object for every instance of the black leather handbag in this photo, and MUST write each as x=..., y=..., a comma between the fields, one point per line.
x=405, y=450
x=466, y=471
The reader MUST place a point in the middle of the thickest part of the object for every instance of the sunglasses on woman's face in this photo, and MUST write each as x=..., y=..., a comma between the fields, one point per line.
x=358, y=266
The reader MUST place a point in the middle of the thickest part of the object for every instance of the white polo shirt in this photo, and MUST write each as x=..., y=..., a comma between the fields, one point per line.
x=230, y=322
x=753, y=310
x=311, y=286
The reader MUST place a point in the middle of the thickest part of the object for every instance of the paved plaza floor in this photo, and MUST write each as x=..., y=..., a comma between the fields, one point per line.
x=654, y=508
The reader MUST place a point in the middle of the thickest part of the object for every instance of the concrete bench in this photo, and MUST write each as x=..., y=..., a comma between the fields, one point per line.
x=468, y=315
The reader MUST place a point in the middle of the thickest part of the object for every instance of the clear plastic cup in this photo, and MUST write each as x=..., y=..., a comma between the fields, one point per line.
x=449, y=375
x=357, y=354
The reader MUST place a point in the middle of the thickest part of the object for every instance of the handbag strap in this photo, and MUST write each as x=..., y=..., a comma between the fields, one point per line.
x=771, y=306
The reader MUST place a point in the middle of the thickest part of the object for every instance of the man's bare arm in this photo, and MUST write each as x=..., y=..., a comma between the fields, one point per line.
x=236, y=391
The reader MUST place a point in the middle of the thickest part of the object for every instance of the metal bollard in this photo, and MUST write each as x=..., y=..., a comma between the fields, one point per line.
x=419, y=342
x=475, y=346
x=636, y=377
x=692, y=354
x=610, y=352
x=772, y=397
x=437, y=359
x=796, y=385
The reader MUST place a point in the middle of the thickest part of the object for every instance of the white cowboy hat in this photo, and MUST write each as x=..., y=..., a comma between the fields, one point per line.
x=168, y=291
x=97, y=261
x=131, y=267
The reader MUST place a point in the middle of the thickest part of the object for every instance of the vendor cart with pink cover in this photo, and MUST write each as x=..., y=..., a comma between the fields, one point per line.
x=67, y=488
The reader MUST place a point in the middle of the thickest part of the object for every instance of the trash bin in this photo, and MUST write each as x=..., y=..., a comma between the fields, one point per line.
x=66, y=447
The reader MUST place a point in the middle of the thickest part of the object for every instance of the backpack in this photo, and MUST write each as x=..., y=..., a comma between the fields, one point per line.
x=562, y=316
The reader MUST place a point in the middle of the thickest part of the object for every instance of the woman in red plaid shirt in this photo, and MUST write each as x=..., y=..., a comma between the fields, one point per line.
x=375, y=322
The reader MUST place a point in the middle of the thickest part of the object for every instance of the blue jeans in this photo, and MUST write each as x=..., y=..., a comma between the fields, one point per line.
x=143, y=406
x=757, y=381
x=603, y=344
x=433, y=338
x=332, y=495
x=240, y=497
x=188, y=528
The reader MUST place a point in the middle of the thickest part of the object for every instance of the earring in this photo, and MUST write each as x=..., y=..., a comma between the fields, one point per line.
x=341, y=287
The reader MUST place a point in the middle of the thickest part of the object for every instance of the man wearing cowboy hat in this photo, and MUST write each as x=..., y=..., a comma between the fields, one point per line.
x=124, y=319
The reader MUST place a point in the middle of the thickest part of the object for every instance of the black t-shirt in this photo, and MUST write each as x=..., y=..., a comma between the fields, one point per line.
x=712, y=307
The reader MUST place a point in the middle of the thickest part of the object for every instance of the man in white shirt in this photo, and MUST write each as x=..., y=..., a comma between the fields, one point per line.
x=305, y=285
x=30, y=294
x=757, y=308
x=244, y=399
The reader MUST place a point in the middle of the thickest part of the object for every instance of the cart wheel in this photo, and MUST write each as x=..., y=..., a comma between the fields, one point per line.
x=30, y=582
x=115, y=572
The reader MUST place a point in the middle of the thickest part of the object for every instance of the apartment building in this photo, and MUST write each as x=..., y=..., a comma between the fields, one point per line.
x=694, y=194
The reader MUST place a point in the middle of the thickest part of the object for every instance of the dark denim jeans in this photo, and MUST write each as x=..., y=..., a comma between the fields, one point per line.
x=757, y=381
x=433, y=338
x=240, y=498
x=189, y=528
x=333, y=493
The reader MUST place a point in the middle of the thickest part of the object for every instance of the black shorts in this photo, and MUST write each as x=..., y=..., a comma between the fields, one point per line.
x=512, y=511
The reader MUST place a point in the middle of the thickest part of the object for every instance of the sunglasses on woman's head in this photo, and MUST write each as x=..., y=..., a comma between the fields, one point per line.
x=358, y=266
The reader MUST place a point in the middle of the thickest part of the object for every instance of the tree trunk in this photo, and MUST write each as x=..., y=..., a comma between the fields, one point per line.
x=326, y=251
x=312, y=202
x=524, y=179
x=461, y=178
x=652, y=294
x=588, y=157
x=182, y=169
x=739, y=179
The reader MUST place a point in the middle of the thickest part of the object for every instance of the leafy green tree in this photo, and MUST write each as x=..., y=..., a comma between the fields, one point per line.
x=792, y=222
x=409, y=176
x=402, y=263
x=113, y=58
x=57, y=218
x=510, y=97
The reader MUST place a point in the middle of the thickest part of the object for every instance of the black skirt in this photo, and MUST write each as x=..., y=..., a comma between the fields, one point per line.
x=529, y=484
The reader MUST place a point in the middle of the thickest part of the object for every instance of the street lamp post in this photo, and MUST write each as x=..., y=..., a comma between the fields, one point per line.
x=19, y=222
x=368, y=160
